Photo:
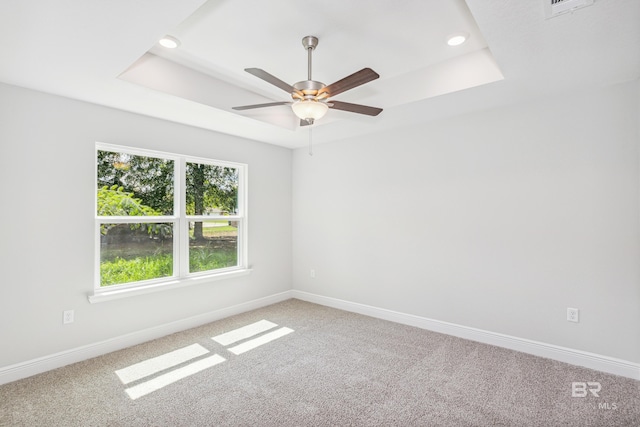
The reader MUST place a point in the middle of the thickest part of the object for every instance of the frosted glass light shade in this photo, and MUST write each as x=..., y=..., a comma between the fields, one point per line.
x=309, y=109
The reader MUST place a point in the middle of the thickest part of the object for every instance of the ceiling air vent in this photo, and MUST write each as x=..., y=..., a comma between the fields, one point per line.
x=554, y=8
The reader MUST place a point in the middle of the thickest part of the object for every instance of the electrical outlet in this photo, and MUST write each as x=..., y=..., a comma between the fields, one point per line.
x=573, y=314
x=67, y=316
x=312, y=273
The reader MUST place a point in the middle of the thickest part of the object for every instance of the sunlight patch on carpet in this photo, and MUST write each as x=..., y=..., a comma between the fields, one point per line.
x=154, y=365
x=244, y=332
x=171, y=367
x=261, y=340
x=164, y=380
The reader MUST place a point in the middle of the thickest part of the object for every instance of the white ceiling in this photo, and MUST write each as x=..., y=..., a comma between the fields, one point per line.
x=106, y=53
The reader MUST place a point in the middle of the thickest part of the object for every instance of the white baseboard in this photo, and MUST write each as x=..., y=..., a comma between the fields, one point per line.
x=575, y=357
x=57, y=360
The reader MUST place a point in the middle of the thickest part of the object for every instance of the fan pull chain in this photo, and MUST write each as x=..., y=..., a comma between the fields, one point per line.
x=310, y=143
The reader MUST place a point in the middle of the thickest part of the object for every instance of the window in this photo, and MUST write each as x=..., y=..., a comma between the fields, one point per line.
x=162, y=218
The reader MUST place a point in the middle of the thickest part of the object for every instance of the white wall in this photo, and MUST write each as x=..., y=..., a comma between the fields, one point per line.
x=46, y=250
x=497, y=220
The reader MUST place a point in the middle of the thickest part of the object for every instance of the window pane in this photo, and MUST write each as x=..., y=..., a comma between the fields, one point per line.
x=217, y=246
x=211, y=190
x=134, y=252
x=131, y=185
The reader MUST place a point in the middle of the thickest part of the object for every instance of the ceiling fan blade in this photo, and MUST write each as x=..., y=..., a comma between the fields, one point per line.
x=355, y=108
x=354, y=80
x=261, y=74
x=306, y=122
x=269, y=104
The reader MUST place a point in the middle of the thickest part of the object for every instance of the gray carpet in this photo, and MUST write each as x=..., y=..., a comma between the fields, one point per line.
x=329, y=368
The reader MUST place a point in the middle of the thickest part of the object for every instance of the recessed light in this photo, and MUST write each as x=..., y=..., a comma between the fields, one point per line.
x=169, y=42
x=456, y=39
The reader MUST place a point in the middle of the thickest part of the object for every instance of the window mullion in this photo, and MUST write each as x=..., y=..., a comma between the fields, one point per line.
x=182, y=243
x=135, y=219
x=214, y=217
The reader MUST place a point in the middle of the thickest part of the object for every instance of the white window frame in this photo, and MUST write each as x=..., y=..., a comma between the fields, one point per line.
x=180, y=220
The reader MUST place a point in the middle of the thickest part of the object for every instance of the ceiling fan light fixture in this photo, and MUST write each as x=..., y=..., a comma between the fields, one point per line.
x=309, y=109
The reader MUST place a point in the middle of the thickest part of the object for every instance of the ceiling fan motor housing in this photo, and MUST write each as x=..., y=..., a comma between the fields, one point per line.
x=310, y=88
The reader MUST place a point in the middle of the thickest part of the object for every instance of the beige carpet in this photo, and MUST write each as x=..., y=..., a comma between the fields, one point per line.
x=301, y=364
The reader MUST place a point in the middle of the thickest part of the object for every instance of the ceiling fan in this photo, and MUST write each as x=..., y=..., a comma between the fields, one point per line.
x=311, y=98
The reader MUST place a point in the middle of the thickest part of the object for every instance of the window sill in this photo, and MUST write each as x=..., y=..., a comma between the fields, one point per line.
x=108, y=295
